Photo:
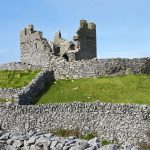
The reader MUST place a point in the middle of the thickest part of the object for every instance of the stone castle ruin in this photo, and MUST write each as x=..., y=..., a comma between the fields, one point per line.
x=37, y=50
x=62, y=59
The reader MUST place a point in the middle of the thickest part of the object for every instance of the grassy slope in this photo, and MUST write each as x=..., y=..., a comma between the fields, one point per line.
x=16, y=79
x=120, y=89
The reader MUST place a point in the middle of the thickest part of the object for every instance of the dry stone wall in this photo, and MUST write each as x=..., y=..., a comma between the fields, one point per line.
x=61, y=69
x=8, y=93
x=99, y=67
x=19, y=66
x=26, y=95
x=124, y=122
x=87, y=68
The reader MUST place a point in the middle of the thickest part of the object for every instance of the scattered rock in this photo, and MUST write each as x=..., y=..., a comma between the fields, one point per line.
x=41, y=141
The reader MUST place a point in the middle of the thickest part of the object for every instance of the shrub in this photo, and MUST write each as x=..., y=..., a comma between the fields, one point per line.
x=67, y=132
x=88, y=136
x=74, y=132
x=105, y=142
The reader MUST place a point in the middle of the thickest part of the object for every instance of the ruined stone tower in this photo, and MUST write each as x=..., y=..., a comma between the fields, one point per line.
x=34, y=48
x=37, y=50
x=86, y=38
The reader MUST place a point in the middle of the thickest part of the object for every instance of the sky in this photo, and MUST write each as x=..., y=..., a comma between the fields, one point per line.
x=123, y=26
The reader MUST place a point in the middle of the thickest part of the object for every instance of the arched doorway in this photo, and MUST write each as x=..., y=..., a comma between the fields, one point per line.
x=66, y=57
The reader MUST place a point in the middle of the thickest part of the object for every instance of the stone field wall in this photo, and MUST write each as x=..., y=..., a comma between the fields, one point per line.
x=18, y=66
x=61, y=69
x=111, y=121
x=99, y=67
x=88, y=68
x=38, y=84
x=26, y=95
x=126, y=123
x=8, y=93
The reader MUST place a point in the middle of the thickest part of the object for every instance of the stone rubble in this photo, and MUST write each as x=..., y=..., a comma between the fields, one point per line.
x=47, y=141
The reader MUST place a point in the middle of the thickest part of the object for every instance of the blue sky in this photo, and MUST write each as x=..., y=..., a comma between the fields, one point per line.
x=123, y=26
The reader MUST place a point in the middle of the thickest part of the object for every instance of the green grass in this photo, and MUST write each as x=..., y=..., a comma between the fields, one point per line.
x=16, y=79
x=119, y=89
x=73, y=132
x=4, y=101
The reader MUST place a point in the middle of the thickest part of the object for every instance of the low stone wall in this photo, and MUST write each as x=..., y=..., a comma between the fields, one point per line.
x=18, y=66
x=8, y=93
x=38, y=84
x=26, y=95
x=99, y=67
x=127, y=123
x=88, y=68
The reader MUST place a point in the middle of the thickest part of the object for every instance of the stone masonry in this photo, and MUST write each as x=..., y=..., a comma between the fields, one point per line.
x=123, y=122
x=37, y=50
x=99, y=67
x=61, y=69
x=26, y=95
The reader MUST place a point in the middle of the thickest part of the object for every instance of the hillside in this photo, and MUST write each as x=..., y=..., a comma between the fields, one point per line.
x=118, y=89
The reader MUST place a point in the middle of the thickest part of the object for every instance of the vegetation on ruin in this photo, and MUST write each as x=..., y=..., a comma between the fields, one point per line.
x=77, y=133
x=115, y=89
x=16, y=78
x=4, y=100
x=74, y=132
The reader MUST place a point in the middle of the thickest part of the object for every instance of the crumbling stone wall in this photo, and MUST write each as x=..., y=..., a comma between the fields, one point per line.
x=83, y=45
x=35, y=49
x=19, y=66
x=26, y=95
x=98, y=67
x=86, y=37
x=61, y=69
x=8, y=93
x=125, y=122
x=60, y=44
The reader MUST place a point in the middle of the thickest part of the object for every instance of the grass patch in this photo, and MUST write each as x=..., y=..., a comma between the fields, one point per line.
x=4, y=101
x=106, y=142
x=67, y=132
x=16, y=78
x=118, y=89
x=74, y=132
x=89, y=136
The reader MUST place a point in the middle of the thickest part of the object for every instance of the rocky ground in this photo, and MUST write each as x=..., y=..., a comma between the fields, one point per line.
x=47, y=141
